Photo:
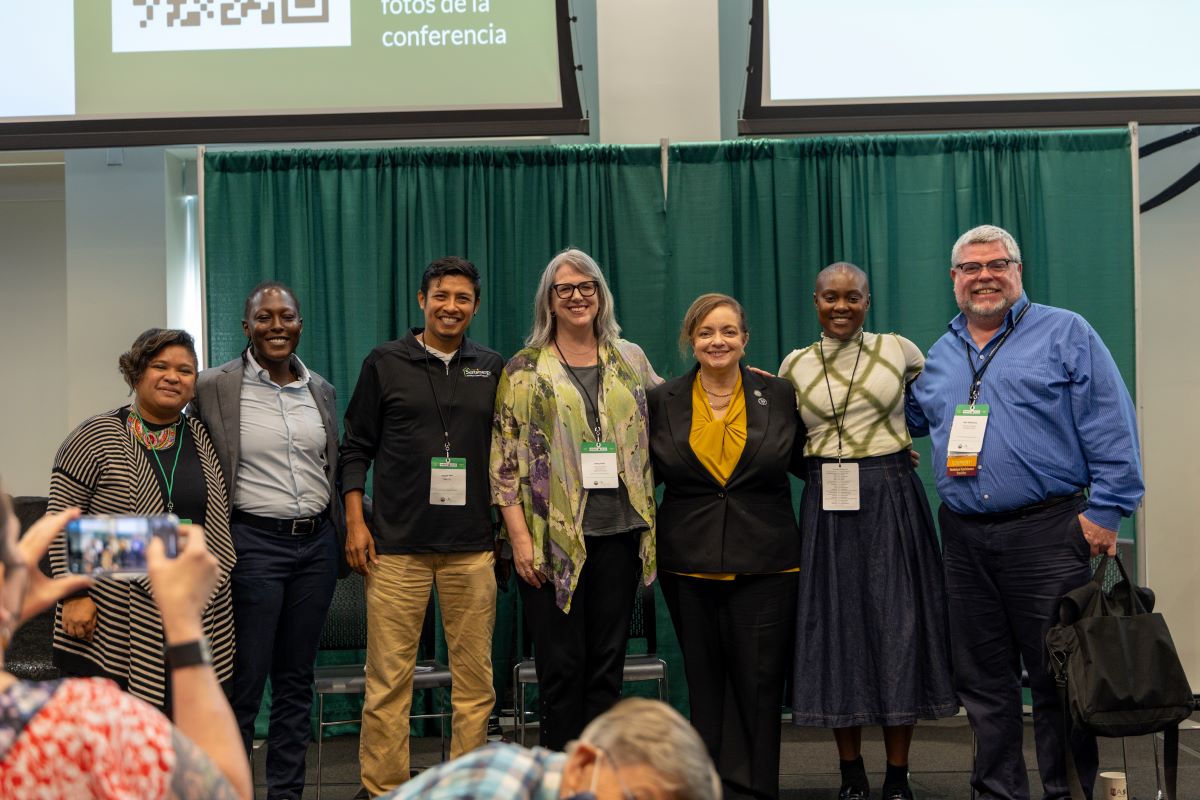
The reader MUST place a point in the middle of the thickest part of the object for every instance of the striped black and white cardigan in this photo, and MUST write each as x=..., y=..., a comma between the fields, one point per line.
x=101, y=469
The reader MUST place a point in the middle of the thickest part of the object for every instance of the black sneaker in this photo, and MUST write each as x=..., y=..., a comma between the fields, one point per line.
x=494, y=732
x=854, y=791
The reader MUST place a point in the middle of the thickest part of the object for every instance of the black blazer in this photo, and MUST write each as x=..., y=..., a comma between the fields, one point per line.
x=748, y=525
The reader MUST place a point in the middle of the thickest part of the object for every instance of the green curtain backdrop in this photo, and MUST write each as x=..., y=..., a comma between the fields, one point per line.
x=352, y=230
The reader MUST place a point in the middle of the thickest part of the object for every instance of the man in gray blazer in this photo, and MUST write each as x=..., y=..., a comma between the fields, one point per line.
x=273, y=423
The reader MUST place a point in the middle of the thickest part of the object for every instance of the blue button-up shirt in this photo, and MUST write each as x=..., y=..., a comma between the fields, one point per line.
x=1060, y=418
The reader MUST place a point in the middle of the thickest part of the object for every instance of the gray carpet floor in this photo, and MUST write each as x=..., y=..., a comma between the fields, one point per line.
x=940, y=763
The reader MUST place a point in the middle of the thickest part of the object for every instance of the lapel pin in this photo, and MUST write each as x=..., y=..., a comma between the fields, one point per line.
x=758, y=392
x=762, y=401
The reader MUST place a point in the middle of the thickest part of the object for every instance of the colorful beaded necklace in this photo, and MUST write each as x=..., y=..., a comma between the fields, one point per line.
x=153, y=440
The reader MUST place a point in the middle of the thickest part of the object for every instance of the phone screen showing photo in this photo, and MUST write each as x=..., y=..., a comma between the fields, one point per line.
x=116, y=546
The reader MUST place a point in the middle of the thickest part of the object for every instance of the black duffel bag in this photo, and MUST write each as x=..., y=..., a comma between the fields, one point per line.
x=1117, y=670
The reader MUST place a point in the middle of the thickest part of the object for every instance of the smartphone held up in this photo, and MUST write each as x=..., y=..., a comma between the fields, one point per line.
x=116, y=546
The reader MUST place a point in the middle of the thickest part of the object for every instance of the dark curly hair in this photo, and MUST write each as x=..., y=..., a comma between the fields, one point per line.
x=146, y=346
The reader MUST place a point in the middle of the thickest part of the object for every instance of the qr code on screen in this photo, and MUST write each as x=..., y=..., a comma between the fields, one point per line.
x=162, y=25
x=185, y=13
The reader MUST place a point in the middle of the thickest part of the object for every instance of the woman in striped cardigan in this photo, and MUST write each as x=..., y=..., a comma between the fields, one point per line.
x=144, y=459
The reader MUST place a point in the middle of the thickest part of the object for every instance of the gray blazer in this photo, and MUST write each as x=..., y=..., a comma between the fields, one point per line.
x=218, y=404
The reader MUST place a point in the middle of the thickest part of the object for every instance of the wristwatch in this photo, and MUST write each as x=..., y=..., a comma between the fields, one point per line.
x=188, y=654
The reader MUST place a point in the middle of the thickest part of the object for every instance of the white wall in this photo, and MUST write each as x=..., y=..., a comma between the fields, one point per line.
x=82, y=272
x=659, y=74
x=116, y=267
x=36, y=379
x=1170, y=385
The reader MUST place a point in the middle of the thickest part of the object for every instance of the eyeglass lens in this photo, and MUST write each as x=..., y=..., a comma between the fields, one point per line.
x=565, y=290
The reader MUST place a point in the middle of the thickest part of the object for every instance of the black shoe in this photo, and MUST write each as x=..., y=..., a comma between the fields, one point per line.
x=898, y=793
x=494, y=732
x=854, y=791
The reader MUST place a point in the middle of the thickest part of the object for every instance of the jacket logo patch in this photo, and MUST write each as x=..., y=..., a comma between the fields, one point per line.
x=469, y=372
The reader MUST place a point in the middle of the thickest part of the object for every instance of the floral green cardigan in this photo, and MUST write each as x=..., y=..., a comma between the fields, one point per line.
x=539, y=425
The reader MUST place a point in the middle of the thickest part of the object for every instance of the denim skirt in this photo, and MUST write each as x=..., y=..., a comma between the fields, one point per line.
x=871, y=630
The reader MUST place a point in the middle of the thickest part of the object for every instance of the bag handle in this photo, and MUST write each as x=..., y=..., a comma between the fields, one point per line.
x=1103, y=599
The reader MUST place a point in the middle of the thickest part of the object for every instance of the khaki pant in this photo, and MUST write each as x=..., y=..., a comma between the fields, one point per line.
x=397, y=595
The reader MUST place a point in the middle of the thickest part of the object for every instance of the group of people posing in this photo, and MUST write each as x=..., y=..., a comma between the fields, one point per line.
x=553, y=459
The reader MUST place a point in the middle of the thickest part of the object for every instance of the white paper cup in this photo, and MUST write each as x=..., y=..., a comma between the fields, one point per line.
x=1112, y=786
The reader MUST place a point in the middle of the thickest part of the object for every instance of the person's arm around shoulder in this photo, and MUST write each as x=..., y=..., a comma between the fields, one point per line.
x=182, y=586
x=505, y=469
x=637, y=357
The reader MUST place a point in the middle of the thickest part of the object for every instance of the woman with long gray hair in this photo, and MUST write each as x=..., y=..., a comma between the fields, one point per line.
x=571, y=473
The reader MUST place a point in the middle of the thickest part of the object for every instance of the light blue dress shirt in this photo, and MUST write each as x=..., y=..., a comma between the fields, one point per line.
x=281, y=455
x=1060, y=418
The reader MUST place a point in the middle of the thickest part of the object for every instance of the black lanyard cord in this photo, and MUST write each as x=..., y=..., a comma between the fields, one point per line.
x=582, y=389
x=445, y=418
x=977, y=375
x=849, y=388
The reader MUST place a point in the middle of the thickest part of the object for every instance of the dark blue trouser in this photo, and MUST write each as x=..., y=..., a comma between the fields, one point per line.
x=1005, y=574
x=282, y=587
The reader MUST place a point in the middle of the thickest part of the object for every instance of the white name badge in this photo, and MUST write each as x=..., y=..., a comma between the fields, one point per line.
x=447, y=481
x=839, y=486
x=966, y=441
x=966, y=433
x=599, y=463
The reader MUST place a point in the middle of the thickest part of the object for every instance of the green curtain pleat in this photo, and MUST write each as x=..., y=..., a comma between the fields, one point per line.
x=352, y=231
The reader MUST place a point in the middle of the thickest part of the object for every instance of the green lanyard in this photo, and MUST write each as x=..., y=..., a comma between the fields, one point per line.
x=169, y=481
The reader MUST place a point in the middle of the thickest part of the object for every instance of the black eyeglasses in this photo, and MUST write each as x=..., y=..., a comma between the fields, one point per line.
x=566, y=290
x=996, y=267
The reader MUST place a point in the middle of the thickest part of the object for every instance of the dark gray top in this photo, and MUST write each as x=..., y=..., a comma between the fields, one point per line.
x=606, y=511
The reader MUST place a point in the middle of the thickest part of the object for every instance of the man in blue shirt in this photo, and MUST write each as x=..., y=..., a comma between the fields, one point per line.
x=1027, y=412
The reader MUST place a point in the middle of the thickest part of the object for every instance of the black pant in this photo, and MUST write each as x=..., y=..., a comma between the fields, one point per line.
x=282, y=587
x=580, y=656
x=736, y=638
x=1005, y=575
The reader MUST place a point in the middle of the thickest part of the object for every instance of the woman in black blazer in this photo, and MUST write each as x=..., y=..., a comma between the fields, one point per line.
x=723, y=440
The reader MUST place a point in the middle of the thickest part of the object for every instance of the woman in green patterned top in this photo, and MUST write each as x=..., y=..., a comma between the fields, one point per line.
x=871, y=641
x=571, y=473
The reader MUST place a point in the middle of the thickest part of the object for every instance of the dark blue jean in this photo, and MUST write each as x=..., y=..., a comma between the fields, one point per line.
x=1004, y=578
x=282, y=587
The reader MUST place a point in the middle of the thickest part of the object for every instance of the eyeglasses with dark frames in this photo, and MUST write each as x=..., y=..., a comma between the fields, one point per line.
x=566, y=290
x=998, y=266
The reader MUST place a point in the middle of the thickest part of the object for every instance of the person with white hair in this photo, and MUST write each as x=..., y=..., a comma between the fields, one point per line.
x=639, y=748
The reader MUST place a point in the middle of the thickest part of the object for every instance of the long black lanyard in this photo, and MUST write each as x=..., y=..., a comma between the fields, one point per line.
x=445, y=418
x=845, y=406
x=583, y=389
x=977, y=375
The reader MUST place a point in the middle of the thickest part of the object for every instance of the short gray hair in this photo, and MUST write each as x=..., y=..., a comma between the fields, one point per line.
x=985, y=234
x=605, y=324
x=640, y=731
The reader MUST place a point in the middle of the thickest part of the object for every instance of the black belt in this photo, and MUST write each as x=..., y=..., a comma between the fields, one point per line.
x=300, y=526
x=1024, y=511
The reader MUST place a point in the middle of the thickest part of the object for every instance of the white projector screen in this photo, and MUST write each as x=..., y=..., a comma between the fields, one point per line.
x=935, y=64
x=105, y=72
